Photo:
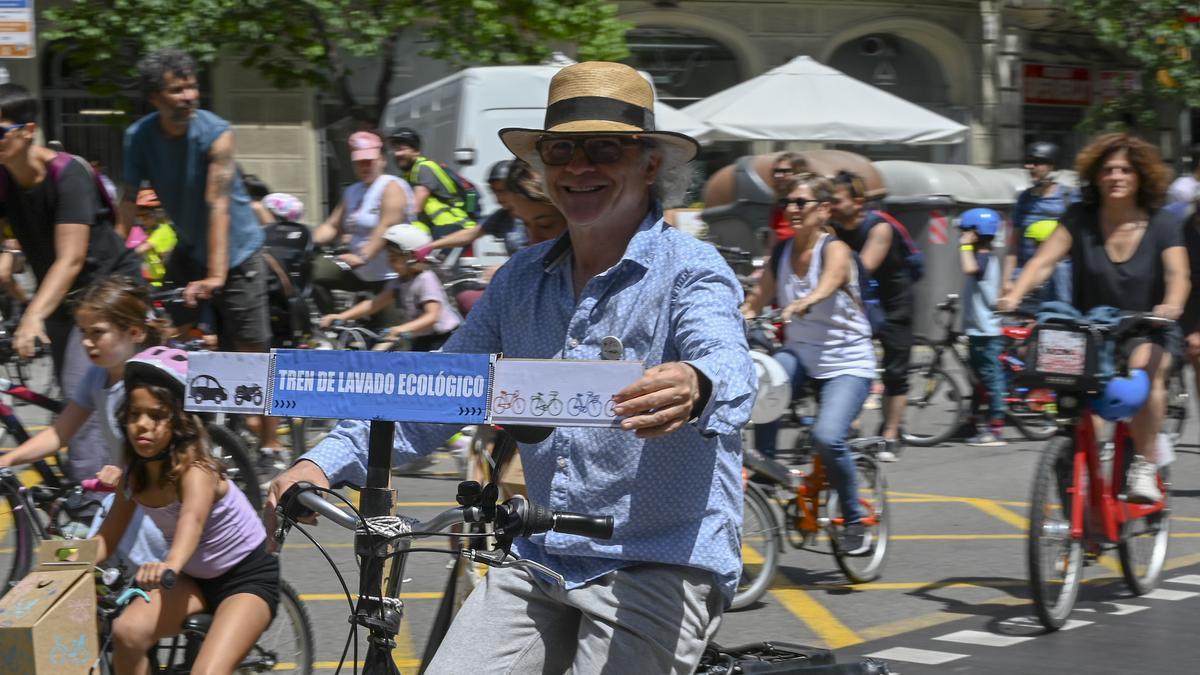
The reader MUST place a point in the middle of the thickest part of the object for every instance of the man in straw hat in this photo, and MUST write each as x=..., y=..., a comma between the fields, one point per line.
x=620, y=283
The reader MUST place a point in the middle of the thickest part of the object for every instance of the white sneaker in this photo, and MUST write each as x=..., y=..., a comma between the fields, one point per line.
x=1141, y=482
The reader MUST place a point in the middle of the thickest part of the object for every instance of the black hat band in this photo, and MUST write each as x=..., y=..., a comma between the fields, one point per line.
x=599, y=108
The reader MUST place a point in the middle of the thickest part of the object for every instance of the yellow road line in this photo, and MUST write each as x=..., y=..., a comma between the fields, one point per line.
x=953, y=498
x=405, y=664
x=817, y=617
x=751, y=557
x=951, y=537
x=320, y=597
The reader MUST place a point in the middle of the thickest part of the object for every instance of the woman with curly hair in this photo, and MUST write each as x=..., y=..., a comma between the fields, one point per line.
x=1128, y=254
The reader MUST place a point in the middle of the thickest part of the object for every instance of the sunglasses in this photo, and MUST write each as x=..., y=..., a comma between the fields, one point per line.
x=598, y=149
x=782, y=172
x=798, y=202
x=5, y=128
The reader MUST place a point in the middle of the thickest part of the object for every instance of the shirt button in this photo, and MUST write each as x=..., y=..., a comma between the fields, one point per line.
x=562, y=462
x=572, y=343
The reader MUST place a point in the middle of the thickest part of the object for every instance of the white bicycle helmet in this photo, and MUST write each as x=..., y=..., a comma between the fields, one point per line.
x=774, y=389
x=407, y=236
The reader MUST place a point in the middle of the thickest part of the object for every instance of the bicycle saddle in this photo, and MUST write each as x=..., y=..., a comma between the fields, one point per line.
x=197, y=624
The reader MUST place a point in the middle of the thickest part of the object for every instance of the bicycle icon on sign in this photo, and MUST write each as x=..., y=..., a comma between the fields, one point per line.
x=551, y=405
x=584, y=403
x=509, y=401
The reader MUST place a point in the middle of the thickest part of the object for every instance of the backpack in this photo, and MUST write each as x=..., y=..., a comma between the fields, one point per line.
x=914, y=259
x=465, y=194
x=103, y=257
x=868, y=288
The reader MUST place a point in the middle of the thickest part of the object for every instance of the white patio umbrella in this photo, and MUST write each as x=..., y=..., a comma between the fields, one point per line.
x=667, y=118
x=803, y=100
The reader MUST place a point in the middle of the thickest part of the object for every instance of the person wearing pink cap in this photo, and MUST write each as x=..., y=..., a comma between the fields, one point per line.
x=367, y=209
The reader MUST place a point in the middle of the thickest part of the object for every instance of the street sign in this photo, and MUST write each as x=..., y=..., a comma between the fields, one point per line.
x=233, y=382
x=545, y=392
x=1057, y=85
x=395, y=386
x=17, y=39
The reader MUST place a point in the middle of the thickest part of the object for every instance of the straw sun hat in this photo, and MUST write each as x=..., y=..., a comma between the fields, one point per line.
x=600, y=98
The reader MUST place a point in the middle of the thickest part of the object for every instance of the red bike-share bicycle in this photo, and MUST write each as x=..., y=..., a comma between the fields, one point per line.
x=1078, y=508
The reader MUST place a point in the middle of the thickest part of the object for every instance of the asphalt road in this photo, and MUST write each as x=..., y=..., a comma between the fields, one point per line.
x=957, y=563
x=953, y=596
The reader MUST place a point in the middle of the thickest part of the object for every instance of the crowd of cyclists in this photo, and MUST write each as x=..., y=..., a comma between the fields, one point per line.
x=841, y=271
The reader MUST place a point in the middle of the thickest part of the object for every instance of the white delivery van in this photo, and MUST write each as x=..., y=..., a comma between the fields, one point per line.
x=458, y=117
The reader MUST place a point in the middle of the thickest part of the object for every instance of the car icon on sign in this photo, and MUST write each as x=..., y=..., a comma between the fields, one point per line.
x=207, y=388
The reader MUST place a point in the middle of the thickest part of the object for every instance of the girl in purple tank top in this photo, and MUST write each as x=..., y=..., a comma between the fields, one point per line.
x=216, y=541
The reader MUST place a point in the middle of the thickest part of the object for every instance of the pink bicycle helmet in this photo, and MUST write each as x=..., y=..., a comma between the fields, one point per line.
x=284, y=206
x=164, y=366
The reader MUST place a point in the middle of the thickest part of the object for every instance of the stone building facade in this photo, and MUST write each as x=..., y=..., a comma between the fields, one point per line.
x=1012, y=70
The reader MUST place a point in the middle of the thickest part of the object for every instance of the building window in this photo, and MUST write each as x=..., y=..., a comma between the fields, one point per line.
x=686, y=66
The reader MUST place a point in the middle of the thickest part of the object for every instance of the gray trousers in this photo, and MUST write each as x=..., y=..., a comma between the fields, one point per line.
x=640, y=619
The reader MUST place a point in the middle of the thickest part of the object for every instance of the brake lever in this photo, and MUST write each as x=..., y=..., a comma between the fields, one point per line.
x=501, y=558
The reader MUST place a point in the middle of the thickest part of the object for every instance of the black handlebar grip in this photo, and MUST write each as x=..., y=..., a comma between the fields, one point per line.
x=596, y=527
x=168, y=579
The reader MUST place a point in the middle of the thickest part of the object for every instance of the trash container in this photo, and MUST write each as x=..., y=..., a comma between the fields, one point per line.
x=928, y=199
x=740, y=198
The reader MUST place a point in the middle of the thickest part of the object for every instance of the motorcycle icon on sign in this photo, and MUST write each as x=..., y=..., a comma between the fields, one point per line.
x=248, y=392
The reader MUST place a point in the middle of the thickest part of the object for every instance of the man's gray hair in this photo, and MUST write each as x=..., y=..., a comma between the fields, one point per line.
x=153, y=69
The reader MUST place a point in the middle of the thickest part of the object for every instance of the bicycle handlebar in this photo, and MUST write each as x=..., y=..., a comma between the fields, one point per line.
x=94, y=485
x=517, y=516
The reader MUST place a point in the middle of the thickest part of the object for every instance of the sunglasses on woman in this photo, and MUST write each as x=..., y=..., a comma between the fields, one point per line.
x=559, y=150
x=799, y=202
x=5, y=128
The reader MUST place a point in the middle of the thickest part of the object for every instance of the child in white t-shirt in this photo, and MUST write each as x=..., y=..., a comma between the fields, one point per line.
x=430, y=316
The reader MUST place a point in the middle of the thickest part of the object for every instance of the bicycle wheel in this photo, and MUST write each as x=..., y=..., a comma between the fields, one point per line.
x=17, y=539
x=1178, y=401
x=1144, y=542
x=760, y=549
x=555, y=408
x=1055, y=558
x=238, y=466
x=1033, y=425
x=872, y=494
x=286, y=646
x=936, y=407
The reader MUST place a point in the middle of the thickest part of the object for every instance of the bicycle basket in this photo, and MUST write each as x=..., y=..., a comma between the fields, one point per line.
x=1063, y=357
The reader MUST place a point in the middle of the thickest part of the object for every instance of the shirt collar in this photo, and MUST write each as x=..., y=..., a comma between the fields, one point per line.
x=642, y=248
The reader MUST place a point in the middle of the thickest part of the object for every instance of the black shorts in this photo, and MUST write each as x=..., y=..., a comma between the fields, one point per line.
x=257, y=574
x=897, y=340
x=242, y=313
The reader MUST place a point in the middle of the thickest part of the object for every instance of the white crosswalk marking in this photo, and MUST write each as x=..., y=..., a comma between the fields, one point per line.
x=1118, y=609
x=1193, y=579
x=926, y=657
x=1031, y=621
x=979, y=637
x=1167, y=594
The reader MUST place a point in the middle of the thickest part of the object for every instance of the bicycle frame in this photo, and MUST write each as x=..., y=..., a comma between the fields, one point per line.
x=8, y=418
x=1101, y=511
x=808, y=501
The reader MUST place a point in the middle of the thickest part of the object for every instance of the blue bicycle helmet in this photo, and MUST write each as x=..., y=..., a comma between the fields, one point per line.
x=1123, y=396
x=985, y=222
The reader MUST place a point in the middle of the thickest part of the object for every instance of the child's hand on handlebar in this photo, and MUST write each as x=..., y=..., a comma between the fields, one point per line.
x=150, y=575
x=110, y=475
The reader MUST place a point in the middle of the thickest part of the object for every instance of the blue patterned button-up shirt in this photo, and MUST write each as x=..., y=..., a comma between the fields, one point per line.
x=675, y=499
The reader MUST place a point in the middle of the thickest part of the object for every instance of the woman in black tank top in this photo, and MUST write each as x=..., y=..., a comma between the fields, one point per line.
x=1127, y=254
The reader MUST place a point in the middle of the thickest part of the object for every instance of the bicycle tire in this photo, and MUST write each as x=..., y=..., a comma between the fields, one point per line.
x=936, y=407
x=287, y=645
x=1143, y=557
x=1033, y=425
x=1054, y=558
x=555, y=408
x=760, y=548
x=872, y=492
x=232, y=453
x=1178, y=402
x=17, y=539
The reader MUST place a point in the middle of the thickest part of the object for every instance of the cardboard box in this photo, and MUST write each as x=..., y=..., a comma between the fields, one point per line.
x=48, y=620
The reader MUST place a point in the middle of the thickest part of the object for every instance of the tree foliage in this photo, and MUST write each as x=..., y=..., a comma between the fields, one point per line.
x=1163, y=36
x=320, y=42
